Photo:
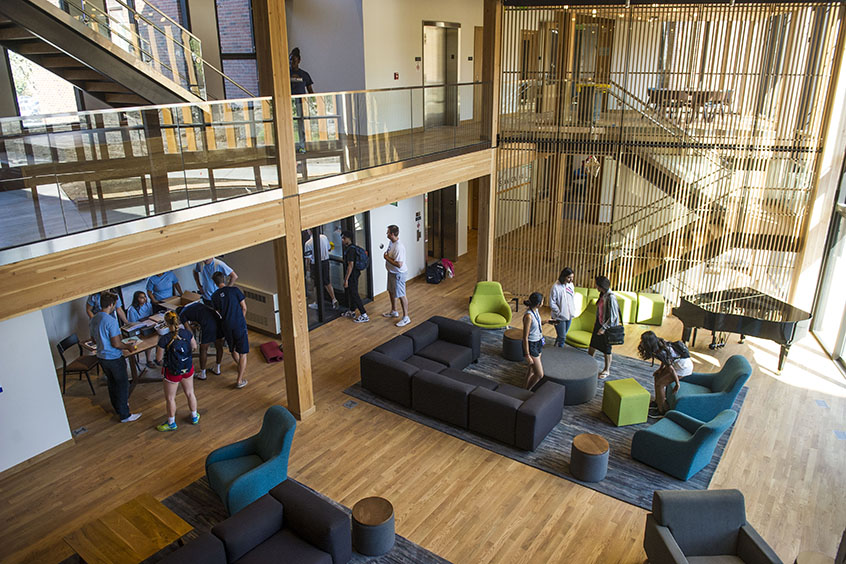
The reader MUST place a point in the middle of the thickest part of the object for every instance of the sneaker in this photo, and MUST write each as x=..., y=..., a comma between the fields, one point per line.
x=312, y=306
x=166, y=426
x=361, y=318
x=132, y=417
x=241, y=384
x=391, y=314
x=404, y=321
x=201, y=376
x=349, y=313
x=152, y=364
x=195, y=419
x=215, y=371
x=654, y=413
x=335, y=304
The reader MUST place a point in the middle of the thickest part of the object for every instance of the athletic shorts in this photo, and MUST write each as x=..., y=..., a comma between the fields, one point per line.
x=324, y=272
x=396, y=284
x=237, y=341
x=210, y=333
x=683, y=366
x=176, y=378
x=535, y=348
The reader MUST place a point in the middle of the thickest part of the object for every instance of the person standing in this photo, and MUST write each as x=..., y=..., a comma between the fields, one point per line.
x=211, y=331
x=301, y=83
x=174, y=352
x=203, y=272
x=562, y=304
x=351, y=276
x=106, y=333
x=230, y=303
x=675, y=364
x=141, y=309
x=93, y=307
x=607, y=316
x=321, y=268
x=397, y=275
x=161, y=287
x=533, y=340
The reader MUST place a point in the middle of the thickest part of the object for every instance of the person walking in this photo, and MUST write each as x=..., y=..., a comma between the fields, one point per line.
x=562, y=305
x=607, y=316
x=229, y=301
x=106, y=333
x=320, y=268
x=351, y=276
x=397, y=275
x=141, y=309
x=174, y=352
x=301, y=83
x=211, y=331
x=533, y=340
x=203, y=273
x=675, y=364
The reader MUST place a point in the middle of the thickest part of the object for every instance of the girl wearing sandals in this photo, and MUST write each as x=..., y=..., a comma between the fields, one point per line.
x=675, y=364
x=174, y=345
x=533, y=339
x=607, y=315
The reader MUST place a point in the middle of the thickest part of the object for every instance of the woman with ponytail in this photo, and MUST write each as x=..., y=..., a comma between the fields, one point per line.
x=533, y=339
x=175, y=353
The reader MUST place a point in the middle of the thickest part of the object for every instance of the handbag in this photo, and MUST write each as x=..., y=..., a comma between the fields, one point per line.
x=616, y=335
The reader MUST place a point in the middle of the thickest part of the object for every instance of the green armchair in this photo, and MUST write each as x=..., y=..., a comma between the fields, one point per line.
x=488, y=308
x=581, y=328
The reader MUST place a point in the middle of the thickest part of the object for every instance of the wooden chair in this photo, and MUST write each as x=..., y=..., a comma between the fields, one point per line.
x=81, y=364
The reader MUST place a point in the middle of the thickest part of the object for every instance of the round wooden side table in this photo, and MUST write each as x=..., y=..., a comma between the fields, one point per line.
x=512, y=345
x=373, y=526
x=589, y=457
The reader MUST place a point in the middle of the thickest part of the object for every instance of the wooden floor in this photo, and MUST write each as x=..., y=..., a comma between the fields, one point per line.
x=456, y=499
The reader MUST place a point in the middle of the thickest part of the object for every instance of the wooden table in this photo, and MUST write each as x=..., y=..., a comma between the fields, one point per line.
x=129, y=534
x=373, y=531
x=144, y=345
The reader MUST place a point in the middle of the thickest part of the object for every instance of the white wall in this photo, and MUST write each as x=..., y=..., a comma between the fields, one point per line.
x=255, y=266
x=403, y=215
x=32, y=415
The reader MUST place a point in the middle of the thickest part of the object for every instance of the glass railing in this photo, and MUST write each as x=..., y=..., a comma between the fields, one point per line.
x=70, y=173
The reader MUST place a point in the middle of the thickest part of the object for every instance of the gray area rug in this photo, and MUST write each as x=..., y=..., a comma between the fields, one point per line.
x=627, y=479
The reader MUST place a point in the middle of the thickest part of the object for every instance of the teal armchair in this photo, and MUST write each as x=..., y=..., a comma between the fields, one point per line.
x=242, y=472
x=703, y=396
x=680, y=445
x=488, y=308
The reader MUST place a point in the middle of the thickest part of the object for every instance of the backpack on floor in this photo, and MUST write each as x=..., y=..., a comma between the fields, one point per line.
x=435, y=272
x=362, y=261
x=178, y=358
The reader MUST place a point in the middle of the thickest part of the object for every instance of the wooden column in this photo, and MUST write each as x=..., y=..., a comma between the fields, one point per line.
x=491, y=75
x=274, y=80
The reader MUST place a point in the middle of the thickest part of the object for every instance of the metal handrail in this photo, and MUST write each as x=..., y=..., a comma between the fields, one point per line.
x=395, y=88
x=225, y=77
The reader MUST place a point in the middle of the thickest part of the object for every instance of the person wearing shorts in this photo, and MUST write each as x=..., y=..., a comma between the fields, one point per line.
x=675, y=365
x=230, y=303
x=171, y=381
x=533, y=340
x=210, y=324
x=320, y=267
x=397, y=274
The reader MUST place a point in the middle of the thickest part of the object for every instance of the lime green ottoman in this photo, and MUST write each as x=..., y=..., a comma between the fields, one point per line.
x=650, y=309
x=625, y=402
x=628, y=306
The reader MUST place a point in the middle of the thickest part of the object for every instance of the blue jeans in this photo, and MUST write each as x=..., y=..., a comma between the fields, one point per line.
x=561, y=328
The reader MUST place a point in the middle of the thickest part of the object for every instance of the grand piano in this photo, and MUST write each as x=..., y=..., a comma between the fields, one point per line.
x=745, y=311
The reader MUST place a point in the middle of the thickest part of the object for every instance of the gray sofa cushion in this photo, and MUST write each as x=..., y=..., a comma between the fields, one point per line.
x=440, y=397
x=423, y=335
x=449, y=354
x=424, y=363
x=538, y=415
x=722, y=559
x=459, y=333
x=702, y=525
x=387, y=377
x=206, y=548
x=472, y=379
x=521, y=394
x=492, y=414
x=285, y=547
x=398, y=348
x=250, y=527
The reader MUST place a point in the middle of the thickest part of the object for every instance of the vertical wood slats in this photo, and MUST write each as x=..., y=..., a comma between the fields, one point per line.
x=702, y=185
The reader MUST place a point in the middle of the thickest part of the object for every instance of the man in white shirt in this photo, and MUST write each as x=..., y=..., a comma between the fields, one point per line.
x=562, y=305
x=308, y=253
x=397, y=275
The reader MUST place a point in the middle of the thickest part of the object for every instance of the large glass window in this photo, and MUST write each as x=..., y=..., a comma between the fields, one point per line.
x=38, y=90
x=237, y=46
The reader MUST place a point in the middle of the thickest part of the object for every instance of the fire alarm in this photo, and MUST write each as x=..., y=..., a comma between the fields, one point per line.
x=396, y=76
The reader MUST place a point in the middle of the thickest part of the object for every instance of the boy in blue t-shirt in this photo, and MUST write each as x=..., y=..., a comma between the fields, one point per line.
x=162, y=286
x=230, y=304
x=204, y=272
x=92, y=307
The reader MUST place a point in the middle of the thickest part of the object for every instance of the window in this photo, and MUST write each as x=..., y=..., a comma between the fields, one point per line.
x=237, y=46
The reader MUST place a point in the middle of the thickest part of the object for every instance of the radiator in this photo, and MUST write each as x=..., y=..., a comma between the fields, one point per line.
x=262, y=309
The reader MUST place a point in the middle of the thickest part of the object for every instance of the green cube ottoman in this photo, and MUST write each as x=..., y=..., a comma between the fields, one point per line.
x=625, y=402
x=628, y=306
x=650, y=309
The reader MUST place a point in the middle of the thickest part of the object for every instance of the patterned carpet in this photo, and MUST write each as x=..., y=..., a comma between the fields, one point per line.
x=627, y=479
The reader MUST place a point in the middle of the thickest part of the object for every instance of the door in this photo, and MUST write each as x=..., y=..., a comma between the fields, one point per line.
x=440, y=67
x=829, y=323
x=442, y=223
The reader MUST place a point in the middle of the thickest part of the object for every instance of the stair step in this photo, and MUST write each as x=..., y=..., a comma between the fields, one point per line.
x=14, y=34
x=59, y=62
x=128, y=99
x=107, y=87
x=35, y=48
x=81, y=74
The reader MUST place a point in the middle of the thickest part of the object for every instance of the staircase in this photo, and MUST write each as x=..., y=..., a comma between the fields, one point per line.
x=121, y=57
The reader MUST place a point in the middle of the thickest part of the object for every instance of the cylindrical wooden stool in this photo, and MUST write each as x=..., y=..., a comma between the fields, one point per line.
x=373, y=526
x=512, y=345
x=589, y=457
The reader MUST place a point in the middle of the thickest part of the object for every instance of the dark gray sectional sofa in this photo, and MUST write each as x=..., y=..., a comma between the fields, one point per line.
x=422, y=369
x=289, y=524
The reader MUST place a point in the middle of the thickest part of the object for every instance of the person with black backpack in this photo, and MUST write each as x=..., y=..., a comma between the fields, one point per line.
x=175, y=353
x=356, y=260
x=675, y=364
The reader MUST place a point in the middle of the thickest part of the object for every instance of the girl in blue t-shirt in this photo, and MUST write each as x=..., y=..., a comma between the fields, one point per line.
x=142, y=309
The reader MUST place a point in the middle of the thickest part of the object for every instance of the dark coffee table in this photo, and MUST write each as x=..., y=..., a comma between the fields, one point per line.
x=574, y=369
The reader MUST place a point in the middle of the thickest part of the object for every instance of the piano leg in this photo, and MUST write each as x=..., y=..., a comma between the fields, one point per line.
x=782, y=356
x=742, y=338
x=685, y=333
x=713, y=344
x=693, y=340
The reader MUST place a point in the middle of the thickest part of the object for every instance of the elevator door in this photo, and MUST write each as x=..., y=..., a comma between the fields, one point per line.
x=442, y=223
x=440, y=67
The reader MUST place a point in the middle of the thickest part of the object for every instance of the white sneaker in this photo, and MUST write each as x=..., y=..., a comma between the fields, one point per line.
x=335, y=304
x=391, y=314
x=349, y=313
x=216, y=370
x=201, y=375
x=132, y=417
x=404, y=321
x=312, y=306
x=361, y=318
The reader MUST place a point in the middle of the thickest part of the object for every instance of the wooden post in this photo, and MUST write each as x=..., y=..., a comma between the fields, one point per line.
x=274, y=80
x=487, y=222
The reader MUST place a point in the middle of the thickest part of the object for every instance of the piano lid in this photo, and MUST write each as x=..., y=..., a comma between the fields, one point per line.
x=748, y=302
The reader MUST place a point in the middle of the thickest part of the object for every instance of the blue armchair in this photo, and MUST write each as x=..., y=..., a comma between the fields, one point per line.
x=680, y=445
x=242, y=472
x=703, y=396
